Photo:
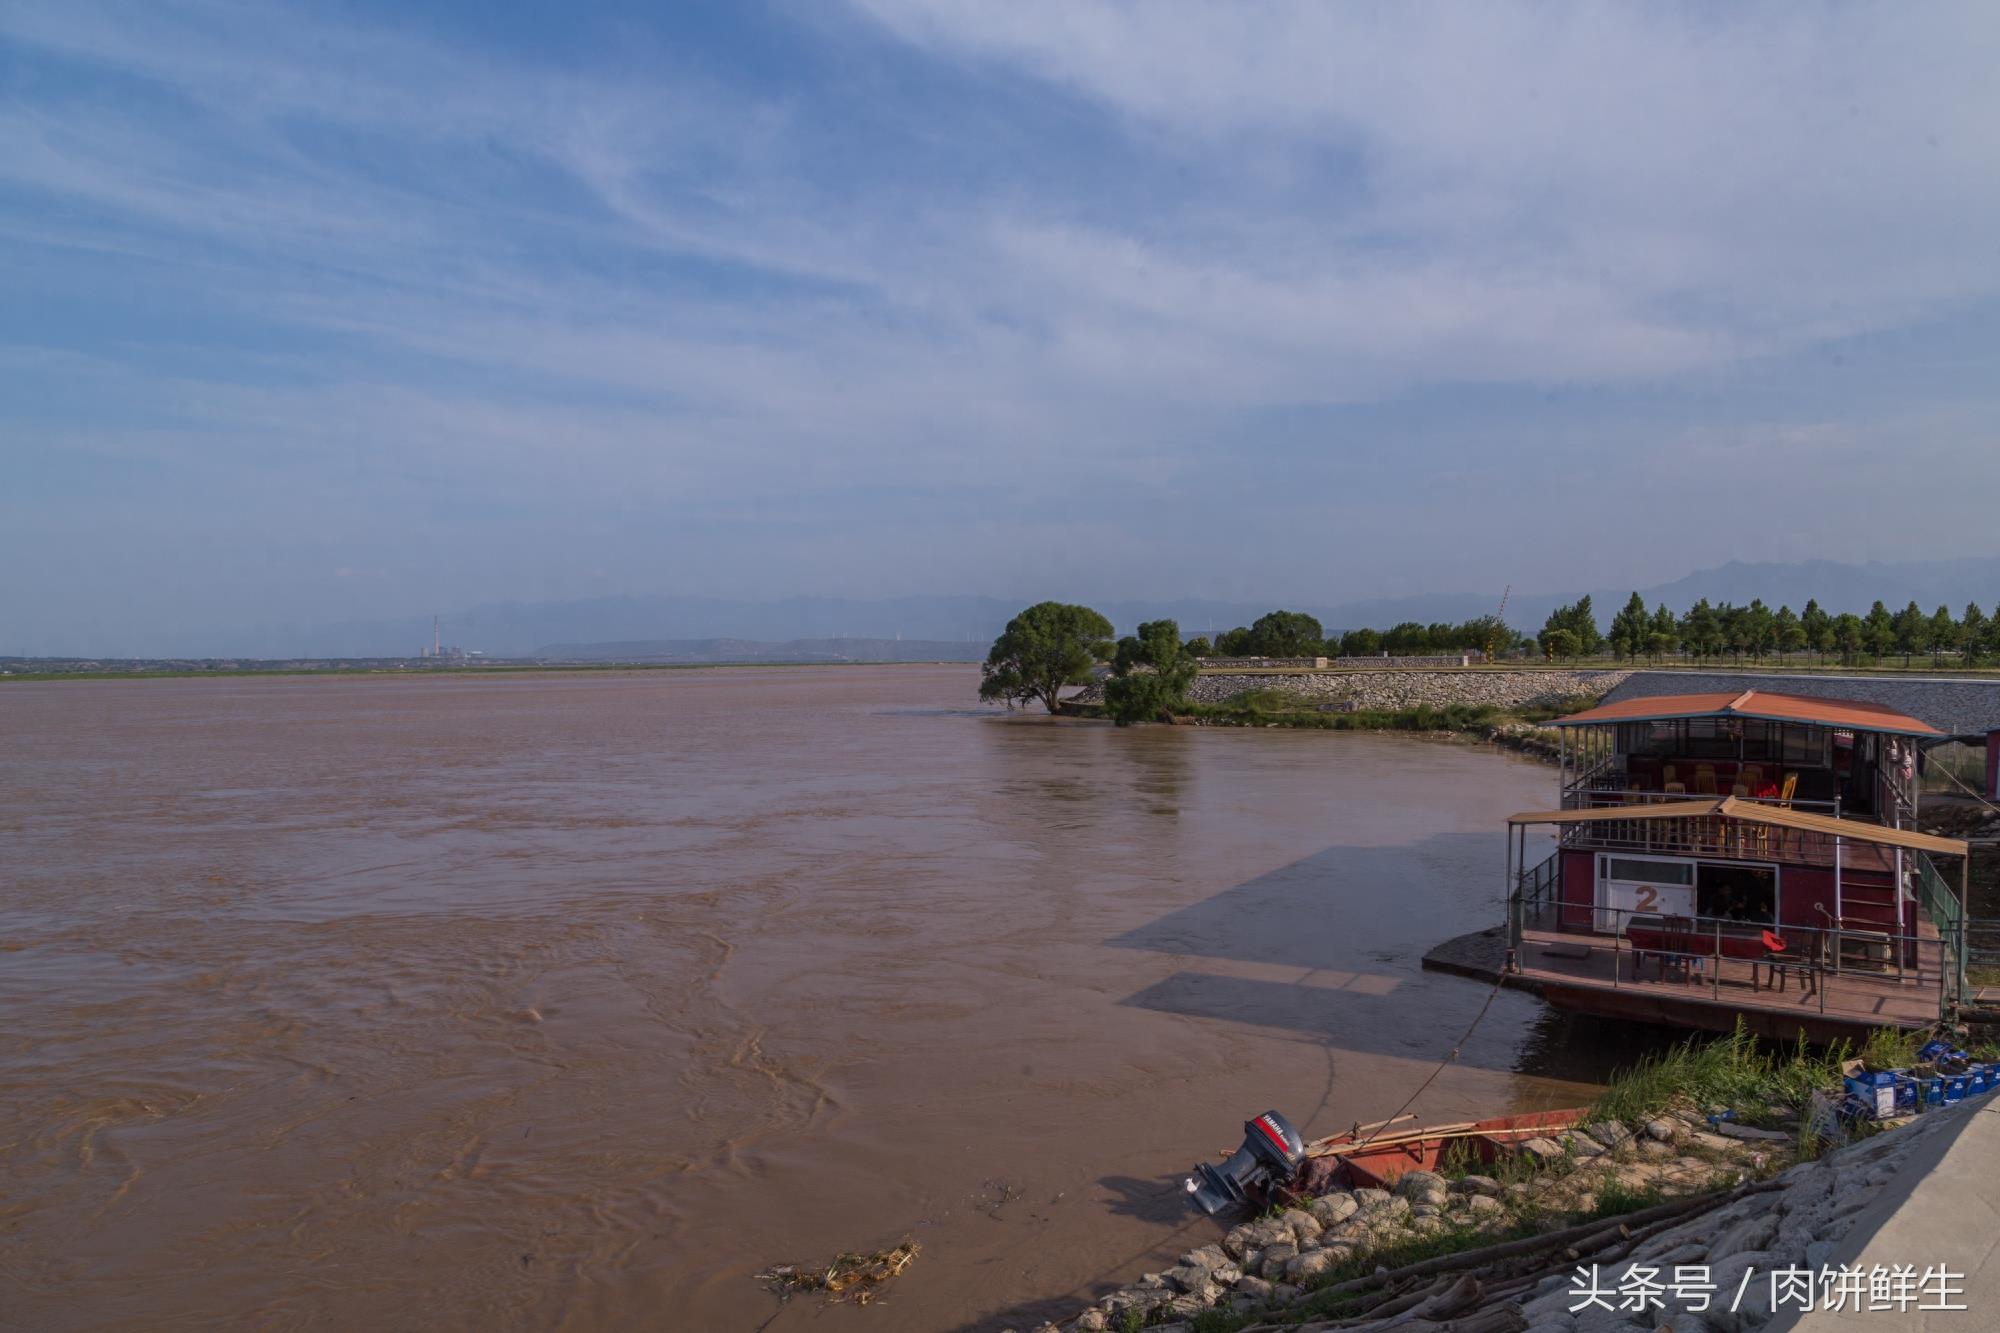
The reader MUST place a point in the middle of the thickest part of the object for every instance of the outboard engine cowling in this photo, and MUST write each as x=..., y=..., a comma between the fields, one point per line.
x=1271, y=1151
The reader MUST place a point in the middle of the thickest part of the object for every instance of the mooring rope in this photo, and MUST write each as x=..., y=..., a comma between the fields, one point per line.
x=1498, y=982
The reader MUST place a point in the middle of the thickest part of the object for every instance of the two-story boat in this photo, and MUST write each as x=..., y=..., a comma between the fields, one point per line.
x=1751, y=855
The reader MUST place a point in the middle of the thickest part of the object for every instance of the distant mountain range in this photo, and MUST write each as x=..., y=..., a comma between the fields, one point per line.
x=924, y=625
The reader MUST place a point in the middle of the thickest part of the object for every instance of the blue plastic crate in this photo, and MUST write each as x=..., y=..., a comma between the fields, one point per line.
x=1955, y=1087
x=1875, y=1091
x=1906, y=1093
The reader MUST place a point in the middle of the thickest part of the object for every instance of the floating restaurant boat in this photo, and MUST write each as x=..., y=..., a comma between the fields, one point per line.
x=1749, y=856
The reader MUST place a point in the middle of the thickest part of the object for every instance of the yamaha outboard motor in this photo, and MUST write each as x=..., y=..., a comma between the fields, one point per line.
x=1272, y=1150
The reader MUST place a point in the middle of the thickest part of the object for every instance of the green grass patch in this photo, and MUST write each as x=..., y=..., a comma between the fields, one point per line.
x=1616, y=1198
x=1735, y=1071
x=1891, y=1048
x=1218, y=1321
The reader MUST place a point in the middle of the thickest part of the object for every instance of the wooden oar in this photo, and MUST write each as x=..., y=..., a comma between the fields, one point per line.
x=1465, y=1130
x=1350, y=1135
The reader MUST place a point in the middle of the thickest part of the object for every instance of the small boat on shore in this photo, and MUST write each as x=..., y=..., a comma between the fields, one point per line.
x=1372, y=1157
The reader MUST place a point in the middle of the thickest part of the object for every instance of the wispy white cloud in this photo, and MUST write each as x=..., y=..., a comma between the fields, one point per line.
x=1120, y=235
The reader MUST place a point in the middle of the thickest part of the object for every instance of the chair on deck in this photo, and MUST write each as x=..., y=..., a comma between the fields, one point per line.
x=1676, y=945
x=1669, y=779
x=1704, y=779
x=1782, y=962
x=1751, y=776
x=1774, y=835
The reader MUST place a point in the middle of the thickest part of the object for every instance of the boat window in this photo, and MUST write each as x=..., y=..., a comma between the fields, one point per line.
x=1738, y=893
x=1649, y=872
x=1805, y=745
x=1710, y=738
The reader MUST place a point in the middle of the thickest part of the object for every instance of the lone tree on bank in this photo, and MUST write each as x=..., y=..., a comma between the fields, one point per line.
x=1284, y=634
x=1150, y=675
x=1047, y=646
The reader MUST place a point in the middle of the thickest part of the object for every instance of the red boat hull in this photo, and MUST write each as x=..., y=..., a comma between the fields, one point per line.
x=1377, y=1165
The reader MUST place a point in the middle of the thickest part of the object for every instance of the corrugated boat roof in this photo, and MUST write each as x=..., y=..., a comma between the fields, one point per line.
x=1753, y=812
x=1761, y=705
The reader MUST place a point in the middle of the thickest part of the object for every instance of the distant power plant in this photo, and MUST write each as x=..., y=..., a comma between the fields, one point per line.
x=439, y=648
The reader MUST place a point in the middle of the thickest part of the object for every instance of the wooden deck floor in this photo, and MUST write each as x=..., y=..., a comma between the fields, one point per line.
x=1572, y=963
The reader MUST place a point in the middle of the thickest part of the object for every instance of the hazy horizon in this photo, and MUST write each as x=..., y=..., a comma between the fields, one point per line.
x=338, y=314
x=516, y=628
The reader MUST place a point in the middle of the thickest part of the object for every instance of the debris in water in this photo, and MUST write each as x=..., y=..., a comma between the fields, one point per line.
x=850, y=1277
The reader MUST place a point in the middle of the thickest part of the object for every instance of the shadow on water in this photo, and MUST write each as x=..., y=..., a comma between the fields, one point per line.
x=1340, y=908
x=1349, y=925
x=1331, y=947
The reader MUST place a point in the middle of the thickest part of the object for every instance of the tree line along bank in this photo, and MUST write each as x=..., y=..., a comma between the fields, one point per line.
x=1054, y=645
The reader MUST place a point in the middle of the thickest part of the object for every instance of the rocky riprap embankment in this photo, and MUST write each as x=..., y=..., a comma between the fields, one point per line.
x=1718, y=1213
x=1397, y=691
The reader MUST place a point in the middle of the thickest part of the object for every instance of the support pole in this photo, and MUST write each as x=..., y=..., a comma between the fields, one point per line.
x=1964, y=922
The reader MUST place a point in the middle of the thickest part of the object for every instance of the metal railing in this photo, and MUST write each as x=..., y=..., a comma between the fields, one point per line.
x=1616, y=786
x=1532, y=890
x=1947, y=913
x=1712, y=837
x=1697, y=949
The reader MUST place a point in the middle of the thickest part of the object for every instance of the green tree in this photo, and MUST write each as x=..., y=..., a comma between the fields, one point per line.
x=1149, y=676
x=1484, y=634
x=1818, y=626
x=1233, y=643
x=1631, y=628
x=1199, y=646
x=1408, y=639
x=1286, y=634
x=1735, y=624
x=1362, y=642
x=1581, y=624
x=1945, y=635
x=1789, y=630
x=1972, y=633
x=1701, y=630
x=1666, y=632
x=1559, y=643
x=1760, y=633
x=1879, y=628
x=1910, y=631
x=1851, y=635
x=1047, y=646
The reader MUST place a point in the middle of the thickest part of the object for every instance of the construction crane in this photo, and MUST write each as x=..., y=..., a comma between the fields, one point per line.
x=1499, y=622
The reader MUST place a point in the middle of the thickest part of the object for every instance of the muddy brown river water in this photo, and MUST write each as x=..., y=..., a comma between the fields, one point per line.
x=574, y=1000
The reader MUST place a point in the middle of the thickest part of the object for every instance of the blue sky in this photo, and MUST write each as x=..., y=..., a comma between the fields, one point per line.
x=364, y=310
